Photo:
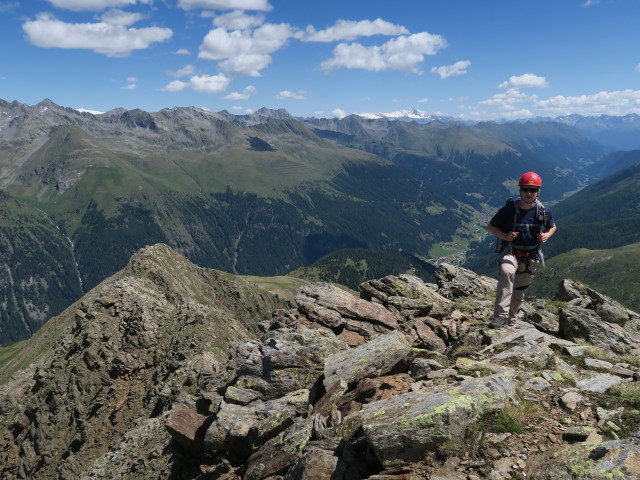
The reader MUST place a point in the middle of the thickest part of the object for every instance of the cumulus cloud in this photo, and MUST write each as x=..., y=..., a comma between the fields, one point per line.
x=244, y=52
x=287, y=95
x=618, y=102
x=349, y=30
x=91, y=5
x=110, y=40
x=423, y=100
x=458, y=68
x=119, y=17
x=182, y=51
x=261, y=5
x=238, y=20
x=508, y=98
x=245, y=65
x=183, y=72
x=403, y=53
x=528, y=80
x=201, y=83
x=264, y=40
x=244, y=95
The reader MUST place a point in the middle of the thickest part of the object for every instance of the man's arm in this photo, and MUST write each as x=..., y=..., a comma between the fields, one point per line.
x=507, y=237
x=543, y=237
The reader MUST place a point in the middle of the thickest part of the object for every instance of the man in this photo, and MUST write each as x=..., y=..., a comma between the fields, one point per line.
x=522, y=225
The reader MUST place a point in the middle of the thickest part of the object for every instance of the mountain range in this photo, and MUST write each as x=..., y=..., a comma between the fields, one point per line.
x=257, y=194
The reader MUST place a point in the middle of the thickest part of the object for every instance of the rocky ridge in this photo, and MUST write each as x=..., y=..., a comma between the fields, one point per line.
x=107, y=368
x=405, y=381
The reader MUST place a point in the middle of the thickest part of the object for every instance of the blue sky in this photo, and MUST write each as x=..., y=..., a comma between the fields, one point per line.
x=471, y=59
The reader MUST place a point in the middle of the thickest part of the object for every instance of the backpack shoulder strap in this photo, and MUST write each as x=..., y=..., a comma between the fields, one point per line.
x=542, y=214
x=516, y=207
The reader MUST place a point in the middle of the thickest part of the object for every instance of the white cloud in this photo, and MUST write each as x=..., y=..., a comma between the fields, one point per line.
x=209, y=83
x=110, y=40
x=423, y=100
x=619, y=102
x=131, y=86
x=339, y=113
x=508, y=98
x=403, y=53
x=119, y=17
x=446, y=71
x=523, y=113
x=245, y=53
x=176, y=86
x=528, y=80
x=201, y=83
x=182, y=51
x=183, y=72
x=589, y=3
x=238, y=20
x=132, y=79
x=262, y=5
x=90, y=5
x=245, y=65
x=349, y=30
x=287, y=95
x=219, y=43
x=246, y=93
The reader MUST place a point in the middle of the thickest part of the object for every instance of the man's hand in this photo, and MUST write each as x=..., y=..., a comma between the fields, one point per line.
x=511, y=236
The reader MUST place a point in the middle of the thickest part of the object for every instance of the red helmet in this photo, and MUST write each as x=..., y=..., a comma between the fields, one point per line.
x=530, y=179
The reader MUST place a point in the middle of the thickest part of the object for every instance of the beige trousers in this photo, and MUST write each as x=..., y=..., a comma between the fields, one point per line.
x=514, y=279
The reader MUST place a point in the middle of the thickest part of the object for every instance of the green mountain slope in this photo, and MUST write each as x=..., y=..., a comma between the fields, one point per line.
x=39, y=276
x=613, y=272
x=601, y=216
x=351, y=267
x=476, y=164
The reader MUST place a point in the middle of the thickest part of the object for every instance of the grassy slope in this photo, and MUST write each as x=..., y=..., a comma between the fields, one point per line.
x=351, y=267
x=612, y=272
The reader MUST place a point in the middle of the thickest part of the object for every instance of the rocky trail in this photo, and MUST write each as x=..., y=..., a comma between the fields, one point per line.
x=404, y=381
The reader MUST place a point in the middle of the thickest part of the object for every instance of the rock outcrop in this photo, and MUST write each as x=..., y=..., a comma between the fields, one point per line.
x=108, y=369
x=413, y=381
x=405, y=381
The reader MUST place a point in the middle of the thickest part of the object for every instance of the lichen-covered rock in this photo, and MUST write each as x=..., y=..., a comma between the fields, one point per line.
x=457, y=282
x=373, y=359
x=238, y=427
x=287, y=360
x=403, y=428
x=618, y=459
x=407, y=295
x=345, y=304
x=580, y=324
x=281, y=452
